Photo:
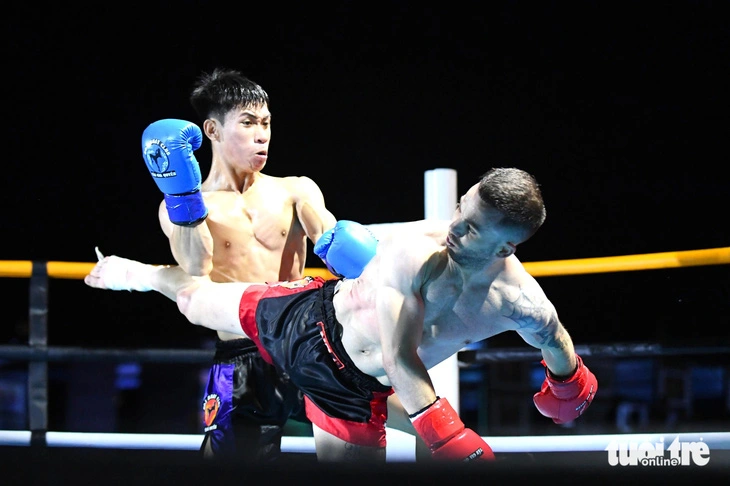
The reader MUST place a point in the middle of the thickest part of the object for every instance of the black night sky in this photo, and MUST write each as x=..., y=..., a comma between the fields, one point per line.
x=621, y=111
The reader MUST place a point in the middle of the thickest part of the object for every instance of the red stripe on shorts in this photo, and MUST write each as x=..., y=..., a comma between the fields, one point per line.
x=370, y=433
x=247, y=316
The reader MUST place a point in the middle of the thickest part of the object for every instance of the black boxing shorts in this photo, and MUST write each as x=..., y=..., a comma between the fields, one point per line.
x=294, y=326
x=246, y=403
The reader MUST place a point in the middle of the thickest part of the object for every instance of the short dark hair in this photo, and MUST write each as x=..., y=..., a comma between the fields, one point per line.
x=517, y=195
x=223, y=90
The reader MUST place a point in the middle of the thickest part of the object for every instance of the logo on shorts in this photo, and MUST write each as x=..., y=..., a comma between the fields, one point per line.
x=338, y=362
x=211, y=405
x=156, y=155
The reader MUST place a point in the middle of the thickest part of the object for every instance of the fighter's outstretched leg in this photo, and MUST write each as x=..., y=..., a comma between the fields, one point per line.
x=333, y=449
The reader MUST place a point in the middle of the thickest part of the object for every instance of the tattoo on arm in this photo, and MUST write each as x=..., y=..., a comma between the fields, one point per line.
x=536, y=316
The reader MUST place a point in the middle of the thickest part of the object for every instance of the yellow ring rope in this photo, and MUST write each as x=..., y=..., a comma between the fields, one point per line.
x=647, y=261
x=78, y=270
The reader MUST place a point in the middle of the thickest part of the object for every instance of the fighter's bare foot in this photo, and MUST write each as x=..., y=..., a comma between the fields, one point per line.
x=116, y=273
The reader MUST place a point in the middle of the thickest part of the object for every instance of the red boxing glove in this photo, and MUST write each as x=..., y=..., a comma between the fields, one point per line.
x=566, y=400
x=445, y=435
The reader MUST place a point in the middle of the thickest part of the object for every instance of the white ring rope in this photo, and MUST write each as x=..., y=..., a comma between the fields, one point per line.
x=400, y=448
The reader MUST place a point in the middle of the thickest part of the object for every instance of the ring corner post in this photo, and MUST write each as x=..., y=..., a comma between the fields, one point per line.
x=38, y=340
x=440, y=197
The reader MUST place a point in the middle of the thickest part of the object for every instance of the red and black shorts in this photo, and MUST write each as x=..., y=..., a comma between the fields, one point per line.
x=294, y=326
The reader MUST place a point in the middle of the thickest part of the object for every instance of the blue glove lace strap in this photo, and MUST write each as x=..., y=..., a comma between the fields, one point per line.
x=186, y=209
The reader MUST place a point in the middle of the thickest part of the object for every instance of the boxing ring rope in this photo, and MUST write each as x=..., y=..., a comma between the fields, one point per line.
x=401, y=446
x=17, y=352
x=554, y=268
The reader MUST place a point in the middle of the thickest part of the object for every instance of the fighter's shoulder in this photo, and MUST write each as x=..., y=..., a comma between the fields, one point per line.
x=408, y=251
x=297, y=187
x=515, y=273
x=403, y=264
x=296, y=182
x=516, y=283
x=435, y=229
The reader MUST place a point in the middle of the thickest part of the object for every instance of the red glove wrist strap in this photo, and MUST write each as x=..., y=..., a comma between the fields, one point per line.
x=561, y=378
x=570, y=387
x=414, y=415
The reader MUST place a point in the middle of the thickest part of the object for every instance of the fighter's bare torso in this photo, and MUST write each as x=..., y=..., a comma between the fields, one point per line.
x=455, y=312
x=256, y=232
x=252, y=231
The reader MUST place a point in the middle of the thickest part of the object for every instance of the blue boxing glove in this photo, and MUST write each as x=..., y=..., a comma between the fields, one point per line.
x=167, y=148
x=346, y=248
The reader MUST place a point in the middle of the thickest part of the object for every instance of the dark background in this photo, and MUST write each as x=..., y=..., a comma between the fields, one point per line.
x=619, y=109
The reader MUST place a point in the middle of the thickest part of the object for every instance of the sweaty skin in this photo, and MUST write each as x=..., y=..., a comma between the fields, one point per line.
x=395, y=328
x=425, y=294
x=257, y=225
x=419, y=301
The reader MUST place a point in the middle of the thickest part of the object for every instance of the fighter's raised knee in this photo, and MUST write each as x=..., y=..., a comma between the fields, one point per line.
x=183, y=299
